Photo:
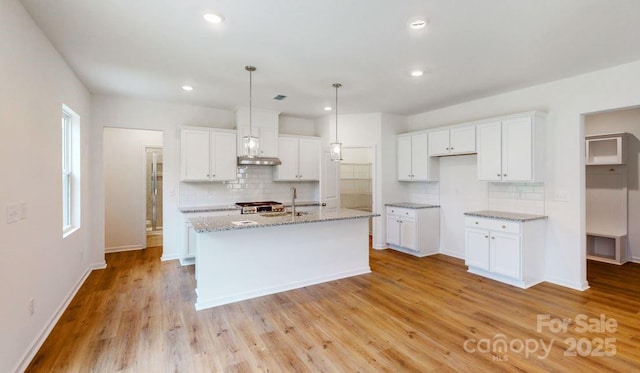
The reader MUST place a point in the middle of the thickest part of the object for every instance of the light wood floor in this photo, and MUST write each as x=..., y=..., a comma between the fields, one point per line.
x=409, y=314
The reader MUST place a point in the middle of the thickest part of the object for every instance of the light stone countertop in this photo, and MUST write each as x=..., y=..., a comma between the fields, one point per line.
x=502, y=215
x=224, y=223
x=411, y=205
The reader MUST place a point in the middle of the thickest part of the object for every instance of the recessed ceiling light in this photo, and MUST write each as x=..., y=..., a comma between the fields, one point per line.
x=419, y=23
x=213, y=18
x=187, y=88
x=417, y=73
x=328, y=108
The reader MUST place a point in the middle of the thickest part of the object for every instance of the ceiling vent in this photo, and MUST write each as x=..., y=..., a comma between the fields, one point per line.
x=280, y=97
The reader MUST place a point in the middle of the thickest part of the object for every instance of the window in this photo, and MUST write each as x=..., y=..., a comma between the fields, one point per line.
x=70, y=171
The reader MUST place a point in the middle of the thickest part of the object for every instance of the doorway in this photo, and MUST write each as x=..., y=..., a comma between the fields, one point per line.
x=356, y=180
x=153, y=177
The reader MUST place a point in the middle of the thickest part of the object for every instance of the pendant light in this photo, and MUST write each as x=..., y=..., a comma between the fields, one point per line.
x=251, y=143
x=336, y=147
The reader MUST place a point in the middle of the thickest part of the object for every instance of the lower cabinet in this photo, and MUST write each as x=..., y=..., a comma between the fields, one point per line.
x=413, y=231
x=505, y=250
x=189, y=234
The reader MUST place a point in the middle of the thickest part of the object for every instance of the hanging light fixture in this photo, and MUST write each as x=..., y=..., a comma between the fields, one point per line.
x=251, y=143
x=336, y=147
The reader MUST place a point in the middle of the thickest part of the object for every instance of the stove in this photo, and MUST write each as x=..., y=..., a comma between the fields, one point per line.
x=256, y=207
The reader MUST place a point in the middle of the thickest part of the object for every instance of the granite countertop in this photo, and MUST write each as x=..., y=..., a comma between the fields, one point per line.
x=502, y=215
x=410, y=205
x=224, y=223
x=207, y=208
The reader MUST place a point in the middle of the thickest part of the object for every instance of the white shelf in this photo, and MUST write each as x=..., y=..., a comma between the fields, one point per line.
x=606, y=149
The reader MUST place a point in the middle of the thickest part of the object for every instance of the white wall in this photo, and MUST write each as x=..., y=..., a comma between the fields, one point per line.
x=125, y=186
x=624, y=121
x=121, y=112
x=297, y=126
x=37, y=263
x=565, y=101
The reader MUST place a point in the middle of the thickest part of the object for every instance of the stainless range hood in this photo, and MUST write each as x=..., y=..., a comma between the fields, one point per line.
x=258, y=161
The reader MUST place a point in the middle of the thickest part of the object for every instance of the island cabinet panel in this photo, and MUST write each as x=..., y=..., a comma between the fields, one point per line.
x=207, y=154
x=238, y=264
x=413, y=231
x=300, y=157
x=506, y=251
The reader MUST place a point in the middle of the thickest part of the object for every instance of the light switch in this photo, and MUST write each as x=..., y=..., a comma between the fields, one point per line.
x=13, y=213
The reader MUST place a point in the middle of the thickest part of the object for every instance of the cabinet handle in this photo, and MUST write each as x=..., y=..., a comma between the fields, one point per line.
x=476, y=222
x=486, y=236
x=504, y=174
x=504, y=227
x=493, y=238
x=498, y=175
x=451, y=148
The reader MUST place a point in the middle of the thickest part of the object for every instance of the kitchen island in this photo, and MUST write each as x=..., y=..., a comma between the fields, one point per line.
x=247, y=256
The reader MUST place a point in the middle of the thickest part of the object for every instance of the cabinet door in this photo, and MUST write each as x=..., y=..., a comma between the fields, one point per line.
x=420, y=157
x=269, y=142
x=288, y=154
x=505, y=254
x=462, y=140
x=477, y=248
x=408, y=234
x=404, y=157
x=194, y=148
x=223, y=156
x=489, y=151
x=517, y=149
x=309, y=162
x=439, y=143
x=393, y=229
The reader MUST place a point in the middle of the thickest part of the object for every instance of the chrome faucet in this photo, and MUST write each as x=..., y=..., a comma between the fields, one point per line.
x=294, y=195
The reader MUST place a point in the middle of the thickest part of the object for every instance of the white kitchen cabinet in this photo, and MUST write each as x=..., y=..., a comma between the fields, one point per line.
x=511, y=149
x=207, y=154
x=189, y=234
x=505, y=250
x=452, y=141
x=413, y=162
x=413, y=231
x=300, y=157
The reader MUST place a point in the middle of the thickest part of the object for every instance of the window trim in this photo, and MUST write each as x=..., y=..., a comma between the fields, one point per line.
x=70, y=149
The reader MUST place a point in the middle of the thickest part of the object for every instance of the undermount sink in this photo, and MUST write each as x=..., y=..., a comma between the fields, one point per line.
x=281, y=214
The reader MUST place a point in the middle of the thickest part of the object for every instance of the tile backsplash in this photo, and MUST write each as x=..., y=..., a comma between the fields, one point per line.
x=424, y=192
x=254, y=183
x=526, y=198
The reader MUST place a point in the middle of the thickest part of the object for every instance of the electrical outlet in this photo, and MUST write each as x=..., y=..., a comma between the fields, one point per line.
x=13, y=213
x=32, y=308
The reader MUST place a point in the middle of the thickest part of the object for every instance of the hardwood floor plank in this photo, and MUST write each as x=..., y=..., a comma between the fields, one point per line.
x=409, y=314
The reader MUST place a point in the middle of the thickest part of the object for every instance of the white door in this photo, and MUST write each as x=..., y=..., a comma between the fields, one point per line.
x=505, y=255
x=420, y=157
x=463, y=140
x=489, y=151
x=223, y=157
x=404, y=158
x=477, y=248
x=288, y=154
x=517, y=150
x=439, y=143
x=309, y=159
x=393, y=230
x=408, y=234
x=195, y=155
x=330, y=182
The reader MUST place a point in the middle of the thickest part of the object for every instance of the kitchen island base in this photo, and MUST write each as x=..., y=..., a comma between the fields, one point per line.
x=238, y=264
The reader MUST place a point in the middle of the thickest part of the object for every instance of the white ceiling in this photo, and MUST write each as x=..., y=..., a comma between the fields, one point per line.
x=472, y=48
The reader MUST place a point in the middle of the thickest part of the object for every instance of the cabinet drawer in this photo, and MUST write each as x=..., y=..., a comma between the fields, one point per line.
x=493, y=224
x=409, y=213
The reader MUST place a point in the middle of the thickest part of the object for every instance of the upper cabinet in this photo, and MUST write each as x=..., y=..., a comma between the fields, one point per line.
x=511, y=148
x=606, y=149
x=413, y=159
x=452, y=141
x=264, y=125
x=207, y=154
x=300, y=157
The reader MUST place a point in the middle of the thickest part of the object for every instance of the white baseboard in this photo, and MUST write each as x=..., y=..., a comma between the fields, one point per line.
x=635, y=259
x=165, y=258
x=568, y=284
x=118, y=249
x=39, y=340
x=452, y=254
